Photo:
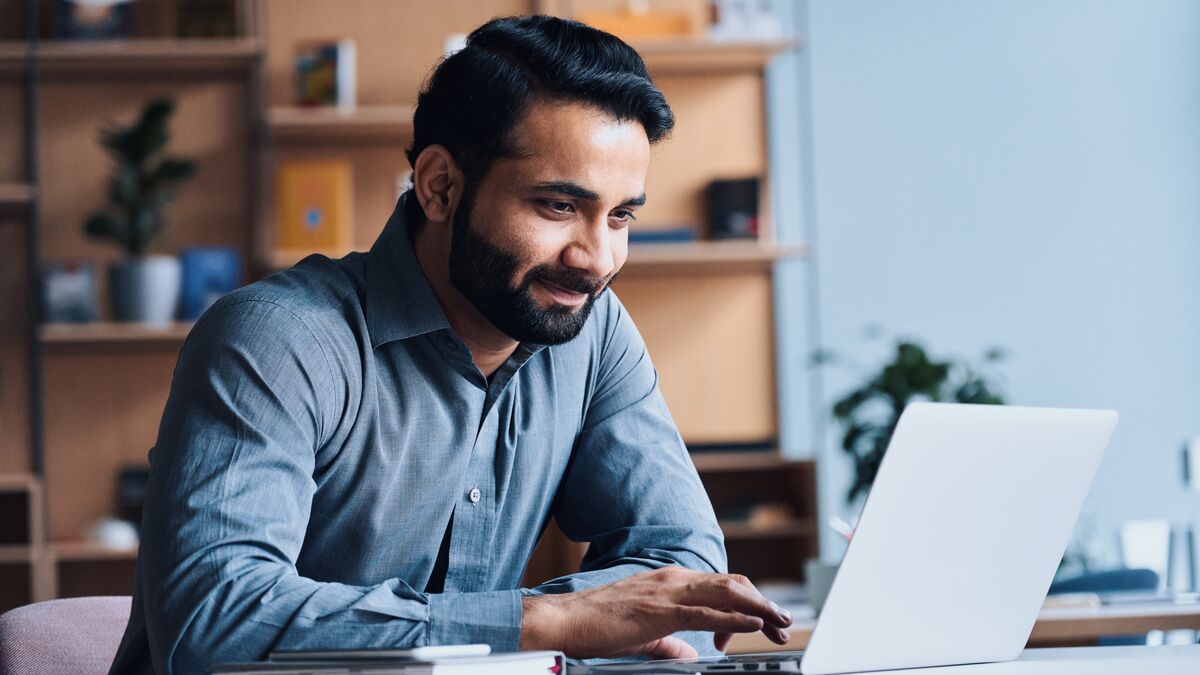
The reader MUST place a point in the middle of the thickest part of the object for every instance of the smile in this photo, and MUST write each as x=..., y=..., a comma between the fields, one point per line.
x=562, y=295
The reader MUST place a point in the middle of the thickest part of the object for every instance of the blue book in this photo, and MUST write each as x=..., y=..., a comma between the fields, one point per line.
x=208, y=273
x=673, y=235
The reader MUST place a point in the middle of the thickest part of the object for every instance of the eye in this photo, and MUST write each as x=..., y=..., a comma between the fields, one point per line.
x=623, y=216
x=557, y=206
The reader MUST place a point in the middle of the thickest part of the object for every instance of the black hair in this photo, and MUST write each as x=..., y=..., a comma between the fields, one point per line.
x=475, y=97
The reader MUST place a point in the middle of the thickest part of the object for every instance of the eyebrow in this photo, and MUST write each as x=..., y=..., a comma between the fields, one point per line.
x=580, y=192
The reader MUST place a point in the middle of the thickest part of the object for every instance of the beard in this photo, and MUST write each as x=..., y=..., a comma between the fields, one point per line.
x=484, y=273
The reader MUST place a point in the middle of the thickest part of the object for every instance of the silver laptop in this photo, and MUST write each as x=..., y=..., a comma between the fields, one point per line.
x=957, y=544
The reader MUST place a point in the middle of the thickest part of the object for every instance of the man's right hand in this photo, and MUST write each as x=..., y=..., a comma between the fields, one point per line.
x=638, y=614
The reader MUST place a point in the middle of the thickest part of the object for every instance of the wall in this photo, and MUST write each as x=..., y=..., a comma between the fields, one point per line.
x=1017, y=173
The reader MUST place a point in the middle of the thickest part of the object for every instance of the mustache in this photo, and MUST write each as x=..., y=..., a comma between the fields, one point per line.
x=571, y=281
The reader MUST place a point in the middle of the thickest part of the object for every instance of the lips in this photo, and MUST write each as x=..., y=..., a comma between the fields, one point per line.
x=563, y=295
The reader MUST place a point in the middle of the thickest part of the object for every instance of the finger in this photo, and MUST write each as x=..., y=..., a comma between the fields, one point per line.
x=669, y=647
x=715, y=620
x=779, y=636
x=734, y=593
x=721, y=641
x=785, y=615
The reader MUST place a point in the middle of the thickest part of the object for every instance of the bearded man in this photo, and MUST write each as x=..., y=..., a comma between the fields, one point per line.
x=363, y=452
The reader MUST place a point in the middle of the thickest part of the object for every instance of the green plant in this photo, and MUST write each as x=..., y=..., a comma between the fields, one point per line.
x=143, y=181
x=868, y=415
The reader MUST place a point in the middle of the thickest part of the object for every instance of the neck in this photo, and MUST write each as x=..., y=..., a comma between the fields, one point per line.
x=490, y=347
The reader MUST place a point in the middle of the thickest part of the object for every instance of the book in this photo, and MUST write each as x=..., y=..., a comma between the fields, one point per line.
x=514, y=663
x=671, y=235
x=69, y=292
x=314, y=207
x=208, y=273
x=325, y=73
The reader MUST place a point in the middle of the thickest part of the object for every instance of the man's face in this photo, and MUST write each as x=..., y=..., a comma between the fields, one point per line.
x=541, y=236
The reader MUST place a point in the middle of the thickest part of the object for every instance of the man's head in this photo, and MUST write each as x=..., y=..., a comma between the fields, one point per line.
x=532, y=145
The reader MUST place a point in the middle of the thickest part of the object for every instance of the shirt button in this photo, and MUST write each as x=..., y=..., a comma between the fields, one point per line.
x=474, y=495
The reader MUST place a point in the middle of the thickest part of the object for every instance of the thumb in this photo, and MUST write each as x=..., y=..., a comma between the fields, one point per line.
x=669, y=647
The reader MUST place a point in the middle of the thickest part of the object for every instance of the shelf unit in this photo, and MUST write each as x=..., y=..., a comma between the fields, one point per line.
x=713, y=81
x=22, y=569
x=94, y=388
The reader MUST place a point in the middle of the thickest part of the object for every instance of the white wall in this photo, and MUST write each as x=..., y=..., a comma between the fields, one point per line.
x=1016, y=172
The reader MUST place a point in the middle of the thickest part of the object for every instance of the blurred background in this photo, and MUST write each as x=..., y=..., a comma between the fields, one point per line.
x=864, y=203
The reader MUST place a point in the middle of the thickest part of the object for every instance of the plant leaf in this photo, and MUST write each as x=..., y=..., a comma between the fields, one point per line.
x=102, y=226
x=173, y=170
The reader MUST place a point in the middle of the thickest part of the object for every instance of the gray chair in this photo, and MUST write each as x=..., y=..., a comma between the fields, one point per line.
x=75, y=636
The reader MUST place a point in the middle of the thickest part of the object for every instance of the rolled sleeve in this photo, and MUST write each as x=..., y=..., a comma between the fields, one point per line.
x=491, y=617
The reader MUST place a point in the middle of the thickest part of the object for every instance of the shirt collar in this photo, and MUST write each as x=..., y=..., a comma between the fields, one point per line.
x=400, y=302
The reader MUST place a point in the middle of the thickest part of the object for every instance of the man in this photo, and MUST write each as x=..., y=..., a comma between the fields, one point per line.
x=363, y=452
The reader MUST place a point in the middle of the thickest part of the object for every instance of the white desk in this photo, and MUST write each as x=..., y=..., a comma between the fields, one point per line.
x=1183, y=660
x=1054, y=627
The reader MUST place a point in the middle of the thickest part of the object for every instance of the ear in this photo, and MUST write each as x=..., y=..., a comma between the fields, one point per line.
x=437, y=182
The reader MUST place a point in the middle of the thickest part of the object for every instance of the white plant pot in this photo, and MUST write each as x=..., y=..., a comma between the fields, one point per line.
x=145, y=289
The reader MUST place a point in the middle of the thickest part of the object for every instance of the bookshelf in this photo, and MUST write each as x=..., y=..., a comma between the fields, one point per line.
x=103, y=385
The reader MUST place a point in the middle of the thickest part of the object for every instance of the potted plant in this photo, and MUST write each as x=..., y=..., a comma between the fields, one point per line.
x=142, y=287
x=868, y=415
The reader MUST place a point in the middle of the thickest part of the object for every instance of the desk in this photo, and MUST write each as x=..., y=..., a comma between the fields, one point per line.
x=1083, y=661
x=1054, y=626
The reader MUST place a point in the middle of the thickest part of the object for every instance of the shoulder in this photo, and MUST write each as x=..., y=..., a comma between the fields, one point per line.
x=312, y=307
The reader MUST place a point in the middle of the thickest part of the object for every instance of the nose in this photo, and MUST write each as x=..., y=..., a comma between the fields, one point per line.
x=591, y=251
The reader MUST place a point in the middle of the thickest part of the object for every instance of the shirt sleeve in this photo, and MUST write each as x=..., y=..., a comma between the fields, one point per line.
x=252, y=400
x=631, y=489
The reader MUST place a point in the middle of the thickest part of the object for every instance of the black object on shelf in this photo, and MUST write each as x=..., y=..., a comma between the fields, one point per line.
x=733, y=209
x=131, y=493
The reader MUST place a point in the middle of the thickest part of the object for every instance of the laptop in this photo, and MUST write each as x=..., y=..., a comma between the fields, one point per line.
x=956, y=546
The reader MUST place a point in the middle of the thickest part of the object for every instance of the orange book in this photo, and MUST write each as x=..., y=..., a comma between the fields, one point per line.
x=315, y=206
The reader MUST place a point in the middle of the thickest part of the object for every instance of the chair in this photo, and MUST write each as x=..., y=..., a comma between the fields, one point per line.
x=75, y=636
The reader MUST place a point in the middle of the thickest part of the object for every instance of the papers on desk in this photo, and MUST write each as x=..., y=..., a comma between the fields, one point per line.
x=516, y=663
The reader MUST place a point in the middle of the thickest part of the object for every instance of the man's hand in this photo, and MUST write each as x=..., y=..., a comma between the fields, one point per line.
x=637, y=615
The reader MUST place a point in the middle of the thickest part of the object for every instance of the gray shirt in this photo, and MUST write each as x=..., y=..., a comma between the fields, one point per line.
x=326, y=426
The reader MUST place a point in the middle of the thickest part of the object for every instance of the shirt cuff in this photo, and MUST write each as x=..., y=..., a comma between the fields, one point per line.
x=492, y=618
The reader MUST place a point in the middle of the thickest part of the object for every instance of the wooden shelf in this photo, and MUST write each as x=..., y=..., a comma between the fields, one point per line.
x=281, y=260
x=112, y=333
x=746, y=531
x=75, y=551
x=645, y=257
x=17, y=553
x=716, y=254
x=726, y=462
x=374, y=121
x=13, y=56
x=148, y=56
x=702, y=56
x=18, y=482
x=13, y=194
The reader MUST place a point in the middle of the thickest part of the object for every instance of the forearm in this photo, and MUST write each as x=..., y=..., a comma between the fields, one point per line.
x=270, y=607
